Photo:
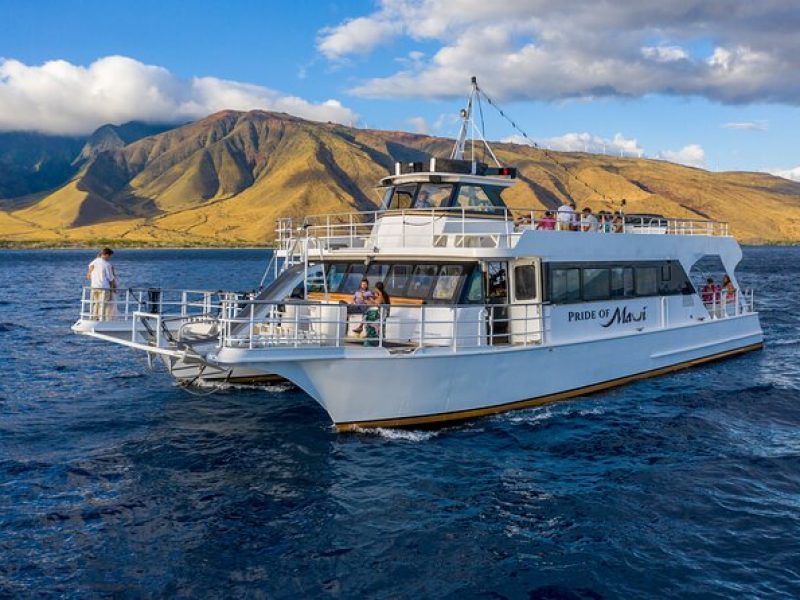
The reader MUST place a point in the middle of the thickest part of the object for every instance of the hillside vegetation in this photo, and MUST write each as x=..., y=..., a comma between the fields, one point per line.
x=225, y=179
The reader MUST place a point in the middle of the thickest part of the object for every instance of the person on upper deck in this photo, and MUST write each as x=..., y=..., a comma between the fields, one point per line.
x=618, y=224
x=589, y=221
x=547, y=222
x=565, y=216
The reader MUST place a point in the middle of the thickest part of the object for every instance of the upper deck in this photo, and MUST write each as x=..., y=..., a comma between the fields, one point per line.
x=457, y=227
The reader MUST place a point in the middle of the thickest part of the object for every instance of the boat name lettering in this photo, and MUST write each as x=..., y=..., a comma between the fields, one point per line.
x=623, y=315
x=617, y=316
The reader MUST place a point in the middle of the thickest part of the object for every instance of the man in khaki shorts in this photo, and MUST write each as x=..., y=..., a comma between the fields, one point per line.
x=104, y=282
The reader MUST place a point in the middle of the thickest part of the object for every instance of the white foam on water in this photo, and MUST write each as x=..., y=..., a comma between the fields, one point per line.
x=406, y=435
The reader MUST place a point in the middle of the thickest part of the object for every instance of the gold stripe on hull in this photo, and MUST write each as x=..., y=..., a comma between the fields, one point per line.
x=463, y=415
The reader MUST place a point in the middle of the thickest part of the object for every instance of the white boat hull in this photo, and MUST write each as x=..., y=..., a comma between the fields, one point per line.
x=374, y=388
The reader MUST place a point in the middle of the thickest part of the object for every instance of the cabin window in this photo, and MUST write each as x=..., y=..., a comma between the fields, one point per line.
x=525, y=282
x=336, y=273
x=422, y=281
x=596, y=284
x=397, y=280
x=377, y=272
x=646, y=281
x=622, y=282
x=565, y=285
x=401, y=197
x=474, y=293
x=353, y=278
x=474, y=197
x=447, y=282
x=433, y=195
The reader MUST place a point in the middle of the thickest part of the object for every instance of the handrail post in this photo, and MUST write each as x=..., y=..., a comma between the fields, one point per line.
x=421, y=325
x=183, y=303
x=252, y=323
x=127, y=302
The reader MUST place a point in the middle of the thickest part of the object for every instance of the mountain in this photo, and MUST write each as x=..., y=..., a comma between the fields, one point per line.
x=224, y=180
x=34, y=162
x=31, y=163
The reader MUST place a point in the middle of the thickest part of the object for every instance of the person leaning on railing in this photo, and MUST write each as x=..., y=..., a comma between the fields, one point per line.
x=103, y=280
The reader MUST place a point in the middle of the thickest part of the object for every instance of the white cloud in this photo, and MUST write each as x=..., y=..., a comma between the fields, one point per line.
x=585, y=142
x=793, y=174
x=419, y=124
x=539, y=49
x=664, y=53
x=692, y=155
x=63, y=98
x=746, y=125
x=356, y=36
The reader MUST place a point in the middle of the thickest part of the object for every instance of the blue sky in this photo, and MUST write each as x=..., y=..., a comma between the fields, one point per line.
x=712, y=84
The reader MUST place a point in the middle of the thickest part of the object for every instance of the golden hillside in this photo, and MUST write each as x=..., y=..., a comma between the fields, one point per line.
x=225, y=179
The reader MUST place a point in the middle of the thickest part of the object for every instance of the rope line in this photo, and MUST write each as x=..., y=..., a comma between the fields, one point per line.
x=545, y=151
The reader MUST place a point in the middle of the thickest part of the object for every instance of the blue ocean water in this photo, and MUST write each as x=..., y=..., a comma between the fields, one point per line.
x=114, y=482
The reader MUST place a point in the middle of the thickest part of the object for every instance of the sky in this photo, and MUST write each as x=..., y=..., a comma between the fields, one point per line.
x=708, y=83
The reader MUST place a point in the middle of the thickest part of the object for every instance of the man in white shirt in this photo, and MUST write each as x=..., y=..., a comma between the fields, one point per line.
x=104, y=281
x=589, y=221
x=565, y=216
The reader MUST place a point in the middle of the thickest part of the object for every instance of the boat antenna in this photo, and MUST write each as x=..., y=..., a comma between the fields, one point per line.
x=466, y=118
x=468, y=126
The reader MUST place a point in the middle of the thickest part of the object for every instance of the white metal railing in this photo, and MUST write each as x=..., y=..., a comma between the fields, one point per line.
x=120, y=304
x=355, y=230
x=401, y=327
x=721, y=304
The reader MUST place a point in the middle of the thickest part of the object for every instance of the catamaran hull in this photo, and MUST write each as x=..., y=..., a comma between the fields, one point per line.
x=373, y=388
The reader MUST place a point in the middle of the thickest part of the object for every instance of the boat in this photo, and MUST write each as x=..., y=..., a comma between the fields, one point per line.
x=492, y=308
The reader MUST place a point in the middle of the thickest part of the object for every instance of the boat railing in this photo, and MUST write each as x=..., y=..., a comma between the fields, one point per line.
x=121, y=304
x=722, y=304
x=399, y=328
x=468, y=227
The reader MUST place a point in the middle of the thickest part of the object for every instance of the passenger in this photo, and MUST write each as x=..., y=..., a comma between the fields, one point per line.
x=710, y=293
x=618, y=224
x=361, y=298
x=605, y=221
x=424, y=200
x=547, y=222
x=565, y=216
x=729, y=289
x=589, y=221
x=522, y=221
x=103, y=280
x=375, y=315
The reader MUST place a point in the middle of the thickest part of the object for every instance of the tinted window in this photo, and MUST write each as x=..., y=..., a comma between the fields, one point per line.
x=474, y=293
x=596, y=284
x=433, y=195
x=646, y=281
x=397, y=279
x=353, y=279
x=401, y=196
x=622, y=282
x=525, y=282
x=336, y=273
x=422, y=281
x=377, y=272
x=448, y=281
x=565, y=285
x=474, y=197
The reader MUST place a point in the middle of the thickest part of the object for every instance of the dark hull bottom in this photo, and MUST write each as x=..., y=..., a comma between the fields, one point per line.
x=444, y=419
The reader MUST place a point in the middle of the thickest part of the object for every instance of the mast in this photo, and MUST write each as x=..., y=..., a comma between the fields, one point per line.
x=466, y=117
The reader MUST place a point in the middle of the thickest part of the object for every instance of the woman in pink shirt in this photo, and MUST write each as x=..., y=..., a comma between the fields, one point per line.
x=546, y=222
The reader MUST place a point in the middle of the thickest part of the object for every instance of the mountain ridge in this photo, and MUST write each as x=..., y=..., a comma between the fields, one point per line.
x=224, y=179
